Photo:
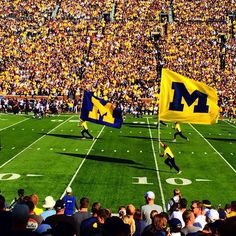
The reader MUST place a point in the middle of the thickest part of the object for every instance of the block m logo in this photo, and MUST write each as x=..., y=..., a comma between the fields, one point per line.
x=181, y=91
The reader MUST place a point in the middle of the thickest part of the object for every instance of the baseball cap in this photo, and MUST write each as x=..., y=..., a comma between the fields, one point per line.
x=175, y=224
x=59, y=204
x=69, y=190
x=49, y=202
x=212, y=215
x=150, y=195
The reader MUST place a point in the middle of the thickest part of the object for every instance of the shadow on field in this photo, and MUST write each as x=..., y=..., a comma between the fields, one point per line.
x=143, y=127
x=140, y=125
x=139, y=137
x=64, y=136
x=101, y=158
x=223, y=139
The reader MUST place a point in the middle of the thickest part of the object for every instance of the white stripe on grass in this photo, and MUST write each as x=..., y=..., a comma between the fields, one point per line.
x=14, y=124
x=82, y=162
x=228, y=123
x=157, y=168
x=28, y=147
x=214, y=149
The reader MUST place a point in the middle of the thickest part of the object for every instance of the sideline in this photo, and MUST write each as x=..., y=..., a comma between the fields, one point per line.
x=157, y=168
x=214, y=149
x=34, y=142
x=14, y=124
x=81, y=164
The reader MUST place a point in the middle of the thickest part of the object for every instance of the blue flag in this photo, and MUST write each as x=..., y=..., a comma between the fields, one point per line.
x=99, y=111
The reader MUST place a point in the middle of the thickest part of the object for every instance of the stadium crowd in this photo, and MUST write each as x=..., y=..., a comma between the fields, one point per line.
x=115, y=48
x=67, y=217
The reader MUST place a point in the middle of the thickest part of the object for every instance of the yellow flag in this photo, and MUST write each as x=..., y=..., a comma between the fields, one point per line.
x=186, y=100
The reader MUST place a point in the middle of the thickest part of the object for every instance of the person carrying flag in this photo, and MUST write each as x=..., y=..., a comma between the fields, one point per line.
x=85, y=130
x=178, y=132
x=170, y=159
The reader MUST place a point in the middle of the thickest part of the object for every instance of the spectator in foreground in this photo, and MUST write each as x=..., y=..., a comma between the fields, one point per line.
x=232, y=210
x=60, y=221
x=189, y=219
x=82, y=213
x=70, y=202
x=48, y=205
x=5, y=217
x=149, y=206
x=114, y=226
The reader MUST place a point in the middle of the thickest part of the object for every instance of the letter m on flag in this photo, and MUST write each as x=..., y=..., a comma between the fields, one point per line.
x=186, y=100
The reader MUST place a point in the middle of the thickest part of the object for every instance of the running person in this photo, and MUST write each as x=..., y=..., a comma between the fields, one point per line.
x=178, y=132
x=170, y=159
x=85, y=130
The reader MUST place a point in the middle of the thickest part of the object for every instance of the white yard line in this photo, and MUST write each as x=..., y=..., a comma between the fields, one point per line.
x=81, y=164
x=157, y=168
x=214, y=148
x=227, y=122
x=14, y=124
x=34, y=143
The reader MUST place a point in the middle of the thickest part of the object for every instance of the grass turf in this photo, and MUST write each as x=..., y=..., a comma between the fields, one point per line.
x=120, y=165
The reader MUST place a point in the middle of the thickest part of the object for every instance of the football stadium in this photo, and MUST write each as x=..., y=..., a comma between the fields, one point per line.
x=117, y=118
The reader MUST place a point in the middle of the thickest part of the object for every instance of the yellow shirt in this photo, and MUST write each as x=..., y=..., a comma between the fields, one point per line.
x=38, y=211
x=168, y=152
x=177, y=127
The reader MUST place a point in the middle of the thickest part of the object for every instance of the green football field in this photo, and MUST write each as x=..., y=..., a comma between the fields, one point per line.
x=44, y=156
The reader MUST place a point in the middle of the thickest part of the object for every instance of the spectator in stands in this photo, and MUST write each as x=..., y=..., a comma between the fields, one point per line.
x=122, y=211
x=88, y=224
x=97, y=227
x=129, y=218
x=213, y=220
x=48, y=205
x=35, y=200
x=60, y=221
x=19, y=199
x=228, y=227
x=157, y=227
x=20, y=217
x=178, y=213
x=207, y=205
x=175, y=199
x=233, y=210
x=82, y=213
x=34, y=220
x=139, y=223
x=5, y=217
x=199, y=213
x=149, y=206
x=175, y=227
x=116, y=227
x=70, y=202
x=189, y=219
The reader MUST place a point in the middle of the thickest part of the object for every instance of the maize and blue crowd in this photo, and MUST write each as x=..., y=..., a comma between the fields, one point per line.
x=69, y=217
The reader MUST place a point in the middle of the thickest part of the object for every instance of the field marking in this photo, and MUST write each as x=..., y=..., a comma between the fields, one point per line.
x=81, y=164
x=14, y=124
x=203, y=180
x=227, y=122
x=157, y=167
x=33, y=143
x=214, y=149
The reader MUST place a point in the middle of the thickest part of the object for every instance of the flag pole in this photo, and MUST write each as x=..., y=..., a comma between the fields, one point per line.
x=158, y=128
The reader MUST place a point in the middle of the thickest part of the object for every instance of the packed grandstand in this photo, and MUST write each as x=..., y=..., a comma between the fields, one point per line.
x=114, y=48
